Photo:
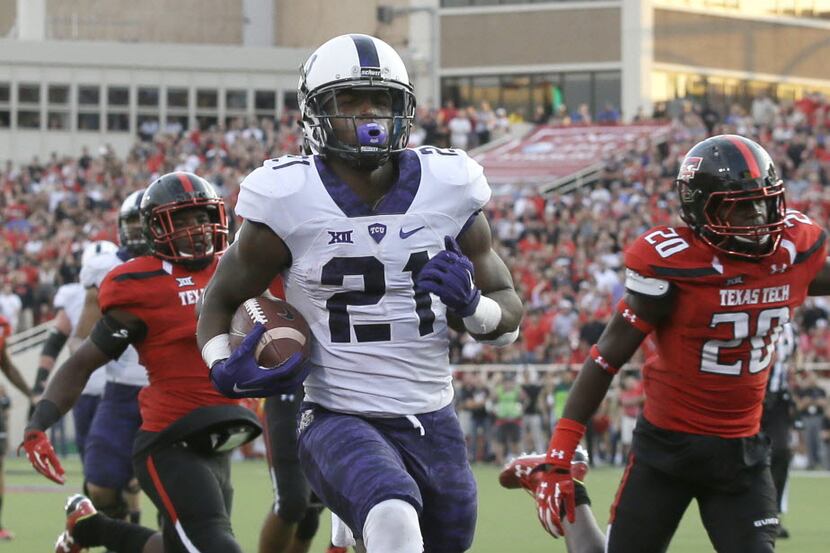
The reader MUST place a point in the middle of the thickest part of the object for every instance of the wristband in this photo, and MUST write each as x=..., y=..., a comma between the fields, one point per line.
x=633, y=319
x=597, y=357
x=216, y=349
x=565, y=438
x=485, y=318
x=46, y=414
x=40, y=380
x=504, y=340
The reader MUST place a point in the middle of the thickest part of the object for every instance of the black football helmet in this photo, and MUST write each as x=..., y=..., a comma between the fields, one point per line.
x=191, y=244
x=130, y=229
x=731, y=196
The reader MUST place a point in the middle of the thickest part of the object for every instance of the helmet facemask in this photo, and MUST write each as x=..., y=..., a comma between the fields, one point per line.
x=724, y=219
x=192, y=245
x=131, y=234
x=364, y=141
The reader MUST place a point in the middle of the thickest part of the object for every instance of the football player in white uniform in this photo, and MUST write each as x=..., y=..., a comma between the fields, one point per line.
x=382, y=248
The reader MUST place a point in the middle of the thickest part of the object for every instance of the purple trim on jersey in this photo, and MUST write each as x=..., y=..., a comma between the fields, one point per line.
x=403, y=192
x=396, y=202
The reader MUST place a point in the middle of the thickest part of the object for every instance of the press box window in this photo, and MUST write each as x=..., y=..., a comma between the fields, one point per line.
x=89, y=95
x=28, y=119
x=177, y=97
x=236, y=99
x=148, y=97
x=58, y=95
x=207, y=99
x=28, y=93
x=118, y=96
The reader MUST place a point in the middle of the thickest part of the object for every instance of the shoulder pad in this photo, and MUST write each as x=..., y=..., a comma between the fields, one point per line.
x=280, y=177
x=802, y=238
x=271, y=195
x=671, y=253
x=449, y=165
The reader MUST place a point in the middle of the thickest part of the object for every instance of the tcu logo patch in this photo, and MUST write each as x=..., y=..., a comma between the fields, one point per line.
x=688, y=168
x=377, y=231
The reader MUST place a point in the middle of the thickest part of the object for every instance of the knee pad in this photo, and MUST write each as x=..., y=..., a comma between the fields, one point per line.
x=393, y=525
x=308, y=526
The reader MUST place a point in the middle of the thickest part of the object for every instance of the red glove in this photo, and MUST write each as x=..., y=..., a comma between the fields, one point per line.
x=556, y=487
x=42, y=456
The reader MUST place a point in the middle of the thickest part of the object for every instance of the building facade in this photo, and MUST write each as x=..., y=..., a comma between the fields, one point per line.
x=103, y=70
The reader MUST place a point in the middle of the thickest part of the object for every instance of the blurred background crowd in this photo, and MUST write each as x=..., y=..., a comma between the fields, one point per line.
x=565, y=251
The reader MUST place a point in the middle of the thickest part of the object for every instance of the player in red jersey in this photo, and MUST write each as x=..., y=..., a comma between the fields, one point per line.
x=9, y=369
x=181, y=454
x=716, y=294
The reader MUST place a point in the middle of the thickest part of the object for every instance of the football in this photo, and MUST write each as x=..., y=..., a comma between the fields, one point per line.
x=286, y=331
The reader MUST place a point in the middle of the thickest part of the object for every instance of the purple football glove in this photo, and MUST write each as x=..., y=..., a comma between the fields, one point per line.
x=449, y=275
x=241, y=376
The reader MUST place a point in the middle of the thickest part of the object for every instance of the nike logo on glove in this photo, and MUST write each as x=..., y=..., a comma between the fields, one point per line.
x=239, y=390
x=404, y=234
x=121, y=333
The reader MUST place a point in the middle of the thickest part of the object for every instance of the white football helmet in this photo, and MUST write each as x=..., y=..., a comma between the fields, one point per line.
x=96, y=262
x=355, y=62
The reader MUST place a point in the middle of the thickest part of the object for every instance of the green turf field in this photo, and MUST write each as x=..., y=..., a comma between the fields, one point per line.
x=507, y=523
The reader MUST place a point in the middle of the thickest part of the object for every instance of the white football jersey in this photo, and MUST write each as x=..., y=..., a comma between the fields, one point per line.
x=70, y=298
x=126, y=369
x=379, y=349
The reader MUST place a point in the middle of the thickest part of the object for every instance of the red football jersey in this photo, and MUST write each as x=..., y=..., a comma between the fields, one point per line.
x=164, y=296
x=709, y=372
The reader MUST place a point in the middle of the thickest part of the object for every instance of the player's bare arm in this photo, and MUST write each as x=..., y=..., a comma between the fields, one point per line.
x=618, y=342
x=108, y=340
x=820, y=286
x=636, y=316
x=14, y=376
x=245, y=271
x=95, y=351
x=58, y=336
x=491, y=276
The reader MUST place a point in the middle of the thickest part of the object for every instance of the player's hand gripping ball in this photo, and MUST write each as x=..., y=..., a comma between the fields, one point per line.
x=270, y=343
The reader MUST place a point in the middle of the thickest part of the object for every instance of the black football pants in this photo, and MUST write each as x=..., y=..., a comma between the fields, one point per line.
x=650, y=504
x=192, y=491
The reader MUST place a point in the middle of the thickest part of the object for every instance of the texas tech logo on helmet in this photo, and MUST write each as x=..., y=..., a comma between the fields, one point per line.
x=688, y=168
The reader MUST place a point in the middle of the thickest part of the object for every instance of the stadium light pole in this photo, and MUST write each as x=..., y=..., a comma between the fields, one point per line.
x=387, y=14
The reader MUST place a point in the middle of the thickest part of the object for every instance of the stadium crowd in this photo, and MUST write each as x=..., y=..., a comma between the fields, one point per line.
x=565, y=251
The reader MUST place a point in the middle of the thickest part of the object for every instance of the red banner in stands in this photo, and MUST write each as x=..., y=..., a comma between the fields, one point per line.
x=547, y=154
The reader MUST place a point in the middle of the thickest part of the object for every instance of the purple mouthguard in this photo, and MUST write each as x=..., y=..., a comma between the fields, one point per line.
x=372, y=134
